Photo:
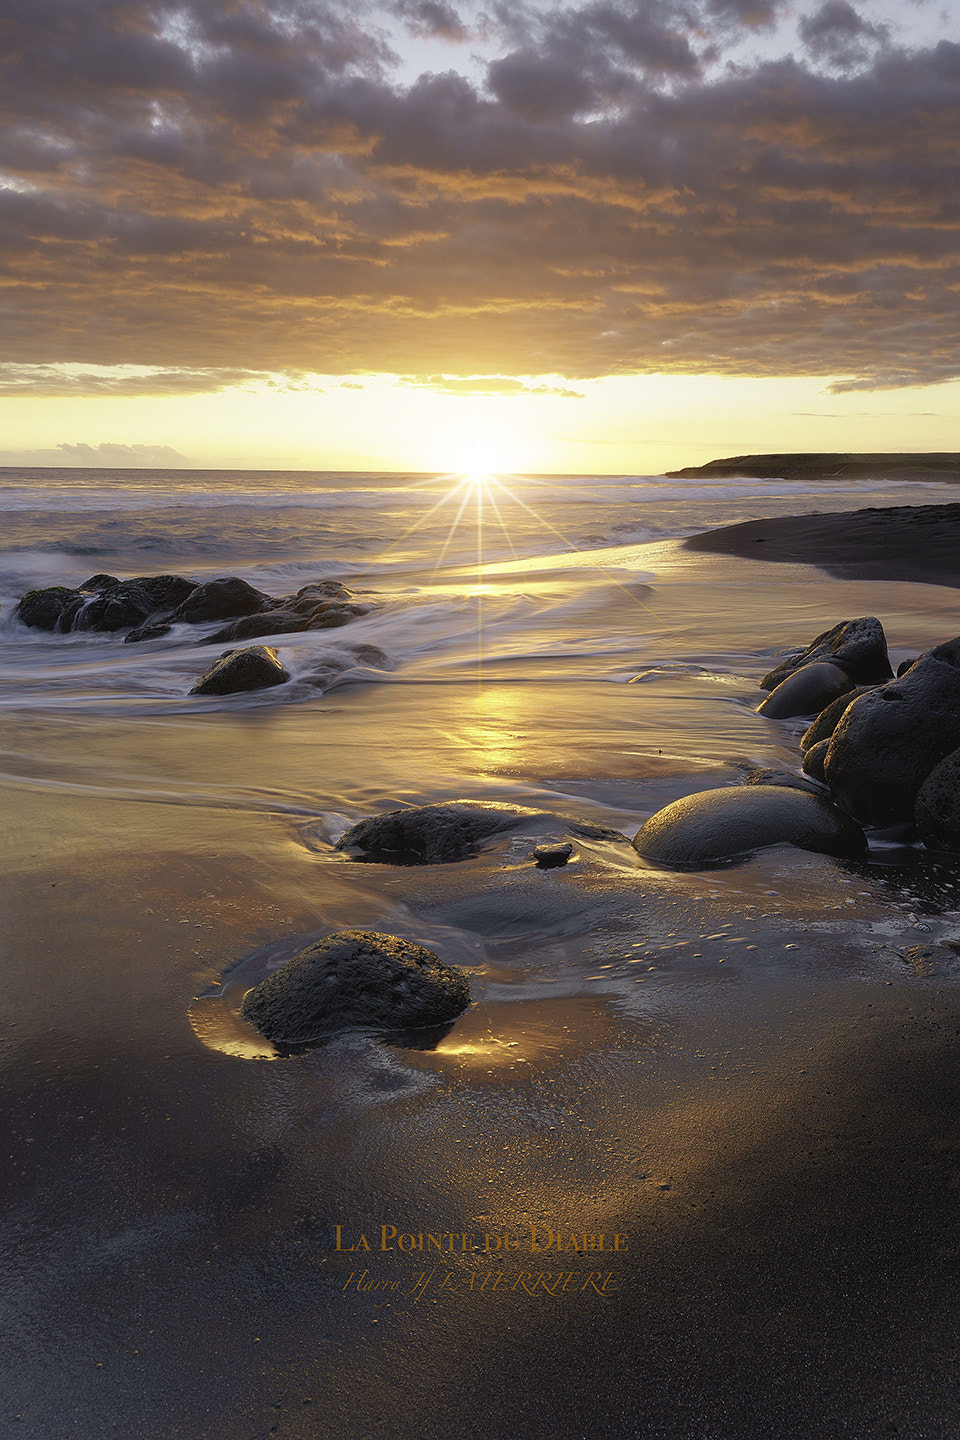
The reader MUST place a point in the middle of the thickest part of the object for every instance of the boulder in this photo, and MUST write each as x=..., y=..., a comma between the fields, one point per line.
x=719, y=826
x=42, y=609
x=334, y=613
x=268, y=622
x=785, y=778
x=858, y=646
x=223, y=599
x=165, y=591
x=432, y=834
x=937, y=809
x=827, y=721
x=254, y=668
x=814, y=759
x=146, y=632
x=806, y=691
x=356, y=980
x=308, y=597
x=889, y=739
x=115, y=607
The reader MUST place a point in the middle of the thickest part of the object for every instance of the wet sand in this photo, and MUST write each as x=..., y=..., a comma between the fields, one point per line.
x=749, y=1075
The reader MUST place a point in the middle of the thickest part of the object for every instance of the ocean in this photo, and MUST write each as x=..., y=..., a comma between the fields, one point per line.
x=748, y=1074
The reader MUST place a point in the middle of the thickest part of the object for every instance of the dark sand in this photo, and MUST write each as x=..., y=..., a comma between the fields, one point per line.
x=905, y=542
x=752, y=1074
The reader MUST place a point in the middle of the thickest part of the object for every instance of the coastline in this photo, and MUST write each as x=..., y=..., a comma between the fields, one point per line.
x=918, y=543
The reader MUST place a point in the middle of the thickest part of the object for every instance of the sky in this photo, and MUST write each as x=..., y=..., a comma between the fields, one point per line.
x=527, y=235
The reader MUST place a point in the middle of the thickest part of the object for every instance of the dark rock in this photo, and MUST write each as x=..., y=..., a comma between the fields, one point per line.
x=114, y=608
x=41, y=609
x=255, y=668
x=905, y=665
x=718, y=826
x=269, y=622
x=785, y=778
x=146, y=632
x=332, y=614
x=310, y=596
x=356, y=980
x=548, y=857
x=165, y=590
x=937, y=809
x=589, y=830
x=431, y=834
x=890, y=738
x=806, y=691
x=857, y=646
x=372, y=655
x=101, y=582
x=222, y=599
x=827, y=721
x=814, y=758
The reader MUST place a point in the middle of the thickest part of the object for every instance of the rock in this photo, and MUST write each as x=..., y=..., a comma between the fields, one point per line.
x=356, y=980
x=327, y=617
x=255, y=668
x=100, y=582
x=42, y=609
x=806, y=691
x=890, y=738
x=937, y=808
x=146, y=632
x=373, y=656
x=114, y=608
x=785, y=778
x=814, y=758
x=906, y=665
x=308, y=597
x=858, y=646
x=548, y=857
x=268, y=622
x=827, y=721
x=717, y=826
x=165, y=591
x=222, y=599
x=431, y=834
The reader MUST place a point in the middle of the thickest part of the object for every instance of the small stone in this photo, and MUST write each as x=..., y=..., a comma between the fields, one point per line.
x=254, y=668
x=548, y=857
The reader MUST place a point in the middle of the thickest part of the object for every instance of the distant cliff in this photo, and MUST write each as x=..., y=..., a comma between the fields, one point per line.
x=828, y=466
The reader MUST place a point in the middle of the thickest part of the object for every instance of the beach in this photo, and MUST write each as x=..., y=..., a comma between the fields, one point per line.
x=687, y=1167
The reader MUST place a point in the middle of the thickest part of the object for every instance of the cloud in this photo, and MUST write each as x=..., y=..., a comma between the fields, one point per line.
x=102, y=456
x=233, y=193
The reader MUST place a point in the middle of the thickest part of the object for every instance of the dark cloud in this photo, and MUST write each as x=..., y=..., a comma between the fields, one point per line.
x=838, y=34
x=54, y=380
x=231, y=189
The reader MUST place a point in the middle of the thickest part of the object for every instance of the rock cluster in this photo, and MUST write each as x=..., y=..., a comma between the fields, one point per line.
x=886, y=748
x=356, y=980
x=879, y=752
x=148, y=605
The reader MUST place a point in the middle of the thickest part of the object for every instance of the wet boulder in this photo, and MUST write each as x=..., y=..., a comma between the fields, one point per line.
x=269, y=622
x=166, y=591
x=44, y=609
x=146, y=632
x=858, y=647
x=716, y=827
x=890, y=738
x=828, y=720
x=356, y=980
x=814, y=759
x=223, y=599
x=806, y=691
x=255, y=668
x=937, y=810
x=784, y=778
x=308, y=597
x=114, y=608
x=335, y=613
x=432, y=834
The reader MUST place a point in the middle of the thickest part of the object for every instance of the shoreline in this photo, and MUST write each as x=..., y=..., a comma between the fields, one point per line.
x=916, y=543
